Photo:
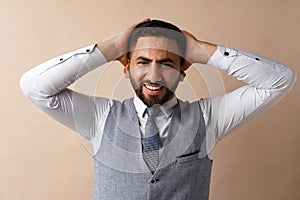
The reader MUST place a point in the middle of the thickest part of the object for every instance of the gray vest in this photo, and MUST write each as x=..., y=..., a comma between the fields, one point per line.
x=184, y=170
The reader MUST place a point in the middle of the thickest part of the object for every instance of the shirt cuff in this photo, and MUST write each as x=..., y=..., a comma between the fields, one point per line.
x=91, y=55
x=96, y=57
x=223, y=58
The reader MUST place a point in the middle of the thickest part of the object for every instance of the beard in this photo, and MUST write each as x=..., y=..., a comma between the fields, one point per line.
x=150, y=100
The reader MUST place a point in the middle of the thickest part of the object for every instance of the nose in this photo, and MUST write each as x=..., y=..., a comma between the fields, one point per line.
x=154, y=73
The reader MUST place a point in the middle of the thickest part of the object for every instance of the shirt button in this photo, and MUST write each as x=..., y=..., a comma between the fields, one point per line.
x=154, y=181
x=87, y=50
x=256, y=58
x=61, y=59
x=226, y=53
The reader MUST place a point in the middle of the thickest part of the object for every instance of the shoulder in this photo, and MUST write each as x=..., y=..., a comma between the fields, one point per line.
x=196, y=105
x=120, y=107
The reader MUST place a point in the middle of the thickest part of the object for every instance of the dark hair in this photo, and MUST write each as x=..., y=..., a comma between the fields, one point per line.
x=158, y=28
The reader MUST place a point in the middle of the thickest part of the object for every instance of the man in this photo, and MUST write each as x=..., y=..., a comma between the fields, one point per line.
x=155, y=146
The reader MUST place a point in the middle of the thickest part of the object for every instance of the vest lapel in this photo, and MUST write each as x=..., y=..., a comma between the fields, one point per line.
x=135, y=128
x=181, y=134
x=174, y=125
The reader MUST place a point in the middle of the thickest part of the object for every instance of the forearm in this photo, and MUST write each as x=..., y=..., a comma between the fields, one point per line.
x=53, y=76
x=266, y=81
x=256, y=71
x=46, y=86
x=110, y=50
x=205, y=52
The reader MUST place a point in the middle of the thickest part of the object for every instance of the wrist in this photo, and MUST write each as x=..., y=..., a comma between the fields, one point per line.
x=109, y=49
x=206, y=50
x=210, y=49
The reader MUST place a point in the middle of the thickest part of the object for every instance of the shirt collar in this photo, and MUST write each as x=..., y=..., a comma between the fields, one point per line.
x=166, y=108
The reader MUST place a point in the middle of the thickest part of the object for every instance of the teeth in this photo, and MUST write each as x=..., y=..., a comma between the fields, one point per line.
x=152, y=87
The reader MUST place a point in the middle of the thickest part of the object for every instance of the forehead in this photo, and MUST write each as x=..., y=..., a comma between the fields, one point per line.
x=156, y=48
x=157, y=43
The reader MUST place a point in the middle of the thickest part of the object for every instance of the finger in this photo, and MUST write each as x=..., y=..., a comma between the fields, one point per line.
x=188, y=34
x=146, y=20
x=134, y=25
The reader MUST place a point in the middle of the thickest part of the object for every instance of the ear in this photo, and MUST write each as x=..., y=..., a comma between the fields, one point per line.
x=183, y=74
x=126, y=70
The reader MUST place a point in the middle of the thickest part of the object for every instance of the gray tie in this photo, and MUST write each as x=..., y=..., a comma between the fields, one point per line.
x=151, y=142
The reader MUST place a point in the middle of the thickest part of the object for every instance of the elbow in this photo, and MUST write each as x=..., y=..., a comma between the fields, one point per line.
x=24, y=84
x=28, y=86
x=284, y=81
x=291, y=77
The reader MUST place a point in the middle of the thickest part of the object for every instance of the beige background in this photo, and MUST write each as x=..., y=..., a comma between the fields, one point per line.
x=41, y=159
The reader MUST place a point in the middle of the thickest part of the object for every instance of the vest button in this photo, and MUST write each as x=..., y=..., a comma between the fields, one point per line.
x=154, y=181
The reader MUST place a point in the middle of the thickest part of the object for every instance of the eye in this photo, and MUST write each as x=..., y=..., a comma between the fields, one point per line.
x=166, y=65
x=142, y=63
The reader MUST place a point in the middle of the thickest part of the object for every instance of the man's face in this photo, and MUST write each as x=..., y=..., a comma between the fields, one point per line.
x=154, y=69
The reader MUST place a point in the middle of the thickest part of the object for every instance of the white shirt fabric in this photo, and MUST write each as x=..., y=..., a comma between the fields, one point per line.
x=266, y=81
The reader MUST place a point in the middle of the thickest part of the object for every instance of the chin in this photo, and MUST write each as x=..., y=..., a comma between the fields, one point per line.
x=151, y=100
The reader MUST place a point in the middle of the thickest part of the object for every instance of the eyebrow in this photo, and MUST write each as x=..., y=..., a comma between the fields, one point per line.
x=164, y=60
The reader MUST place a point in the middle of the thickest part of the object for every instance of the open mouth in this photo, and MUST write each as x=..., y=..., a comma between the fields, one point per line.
x=153, y=87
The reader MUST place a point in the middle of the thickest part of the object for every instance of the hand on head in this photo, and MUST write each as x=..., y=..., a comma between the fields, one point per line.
x=115, y=48
x=123, y=42
x=196, y=51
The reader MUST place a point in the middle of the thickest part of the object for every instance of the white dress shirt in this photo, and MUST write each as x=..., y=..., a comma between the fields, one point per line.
x=266, y=81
